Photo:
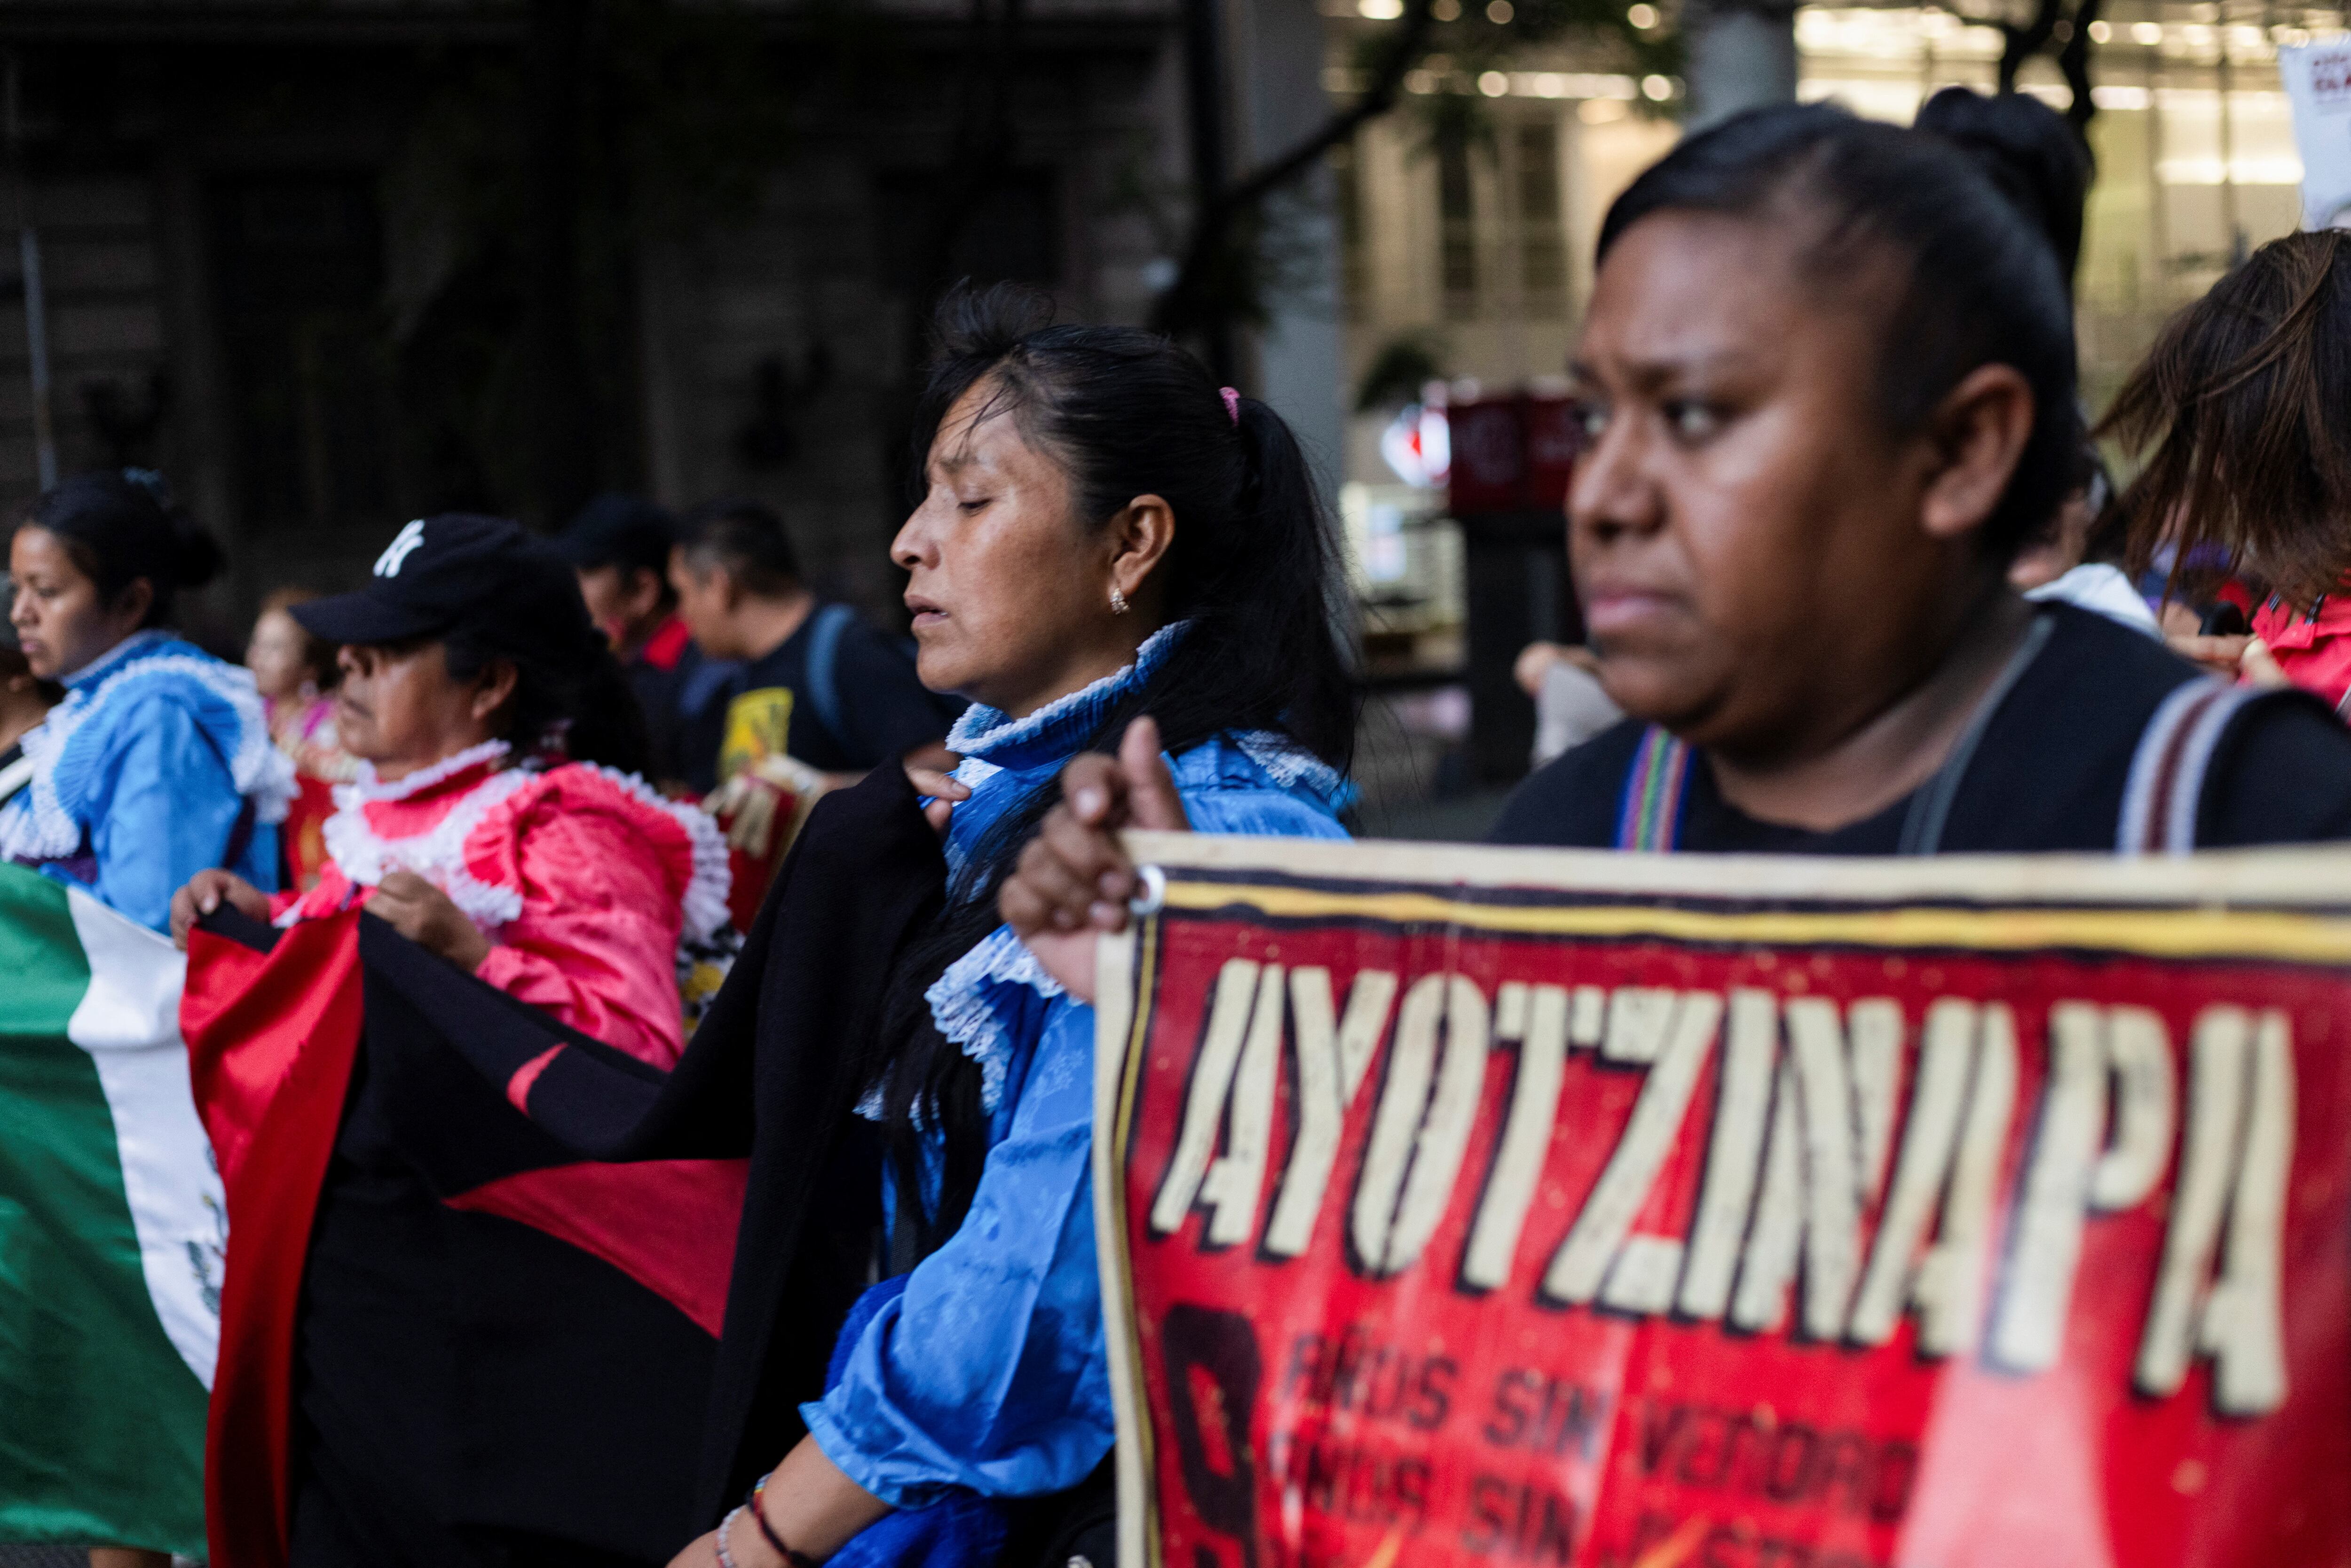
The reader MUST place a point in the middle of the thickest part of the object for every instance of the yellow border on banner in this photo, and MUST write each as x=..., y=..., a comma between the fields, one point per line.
x=1125, y=968
x=2190, y=932
x=2308, y=878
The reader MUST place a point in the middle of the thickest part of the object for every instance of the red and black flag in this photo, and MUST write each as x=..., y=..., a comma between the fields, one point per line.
x=440, y=1324
x=445, y=1337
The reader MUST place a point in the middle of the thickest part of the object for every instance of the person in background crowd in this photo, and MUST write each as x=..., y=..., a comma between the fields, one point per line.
x=2242, y=408
x=1105, y=533
x=157, y=763
x=296, y=674
x=498, y=821
x=2071, y=556
x=1569, y=706
x=818, y=681
x=26, y=699
x=821, y=696
x=620, y=546
x=1828, y=374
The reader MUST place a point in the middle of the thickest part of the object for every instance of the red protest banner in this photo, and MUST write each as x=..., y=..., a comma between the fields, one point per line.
x=1473, y=1207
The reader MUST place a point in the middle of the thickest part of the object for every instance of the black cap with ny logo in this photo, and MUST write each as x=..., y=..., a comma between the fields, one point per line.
x=487, y=579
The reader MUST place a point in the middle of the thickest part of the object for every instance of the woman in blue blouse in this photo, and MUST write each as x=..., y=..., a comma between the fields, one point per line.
x=159, y=762
x=1106, y=534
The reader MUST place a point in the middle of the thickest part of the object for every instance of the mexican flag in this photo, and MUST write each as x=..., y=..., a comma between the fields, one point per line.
x=112, y=1231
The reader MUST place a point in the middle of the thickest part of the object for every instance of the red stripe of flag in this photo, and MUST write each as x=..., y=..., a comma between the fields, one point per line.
x=271, y=1038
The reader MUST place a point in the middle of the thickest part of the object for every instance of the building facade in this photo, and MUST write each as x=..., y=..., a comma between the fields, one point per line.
x=1478, y=255
x=295, y=252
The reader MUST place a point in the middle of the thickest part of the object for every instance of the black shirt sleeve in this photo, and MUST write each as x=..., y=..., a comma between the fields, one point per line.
x=657, y=704
x=2283, y=775
x=884, y=706
x=1571, y=801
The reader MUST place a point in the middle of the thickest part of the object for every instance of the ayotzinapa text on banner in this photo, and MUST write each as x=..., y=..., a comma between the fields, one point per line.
x=1494, y=1210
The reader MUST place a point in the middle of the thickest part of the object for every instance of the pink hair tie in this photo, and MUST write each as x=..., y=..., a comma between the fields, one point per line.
x=1232, y=404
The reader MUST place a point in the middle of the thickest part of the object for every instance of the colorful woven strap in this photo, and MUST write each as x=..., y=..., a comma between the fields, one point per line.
x=1651, y=817
x=2165, y=791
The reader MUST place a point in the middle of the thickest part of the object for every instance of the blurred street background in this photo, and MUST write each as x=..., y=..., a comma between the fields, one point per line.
x=331, y=264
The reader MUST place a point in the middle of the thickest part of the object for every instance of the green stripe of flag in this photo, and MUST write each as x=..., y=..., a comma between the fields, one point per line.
x=109, y=1313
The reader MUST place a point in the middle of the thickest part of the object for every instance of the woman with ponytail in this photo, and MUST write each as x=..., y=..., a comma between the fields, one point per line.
x=1107, y=541
x=159, y=762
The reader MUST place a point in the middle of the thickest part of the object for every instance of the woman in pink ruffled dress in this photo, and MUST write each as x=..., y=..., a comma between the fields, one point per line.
x=488, y=821
x=496, y=820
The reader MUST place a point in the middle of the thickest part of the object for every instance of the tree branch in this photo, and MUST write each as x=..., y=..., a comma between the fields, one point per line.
x=2021, y=44
x=1377, y=100
x=1183, y=306
x=2074, y=61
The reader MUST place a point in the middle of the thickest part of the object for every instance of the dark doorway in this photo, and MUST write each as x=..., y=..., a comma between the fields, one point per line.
x=297, y=269
x=1014, y=233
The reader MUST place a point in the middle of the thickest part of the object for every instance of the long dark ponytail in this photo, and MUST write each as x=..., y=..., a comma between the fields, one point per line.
x=1254, y=570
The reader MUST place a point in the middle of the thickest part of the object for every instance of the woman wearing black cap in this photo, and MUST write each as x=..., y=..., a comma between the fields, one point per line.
x=159, y=761
x=498, y=819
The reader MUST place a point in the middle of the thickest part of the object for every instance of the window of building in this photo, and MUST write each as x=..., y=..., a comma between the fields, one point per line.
x=1355, y=266
x=1012, y=232
x=1457, y=254
x=1542, y=237
x=297, y=267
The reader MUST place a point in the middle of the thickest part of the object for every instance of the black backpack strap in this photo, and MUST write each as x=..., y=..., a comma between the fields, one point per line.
x=240, y=837
x=2164, y=790
x=1931, y=804
x=823, y=668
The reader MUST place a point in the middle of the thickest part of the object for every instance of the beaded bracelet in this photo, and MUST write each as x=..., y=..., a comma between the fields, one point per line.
x=727, y=1558
x=760, y=1518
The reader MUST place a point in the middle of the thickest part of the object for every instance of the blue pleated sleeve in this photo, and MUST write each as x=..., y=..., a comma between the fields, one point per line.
x=163, y=807
x=988, y=1373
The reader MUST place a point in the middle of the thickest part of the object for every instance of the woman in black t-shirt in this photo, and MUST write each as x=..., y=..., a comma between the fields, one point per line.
x=1827, y=376
x=1829, y=380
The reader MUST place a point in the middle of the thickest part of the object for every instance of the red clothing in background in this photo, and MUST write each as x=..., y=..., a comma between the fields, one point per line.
x=2313, y=649
x=666, y=647
x=583, y=879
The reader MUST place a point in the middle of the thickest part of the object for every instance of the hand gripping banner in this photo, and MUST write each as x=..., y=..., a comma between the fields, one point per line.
x=1474, y=1208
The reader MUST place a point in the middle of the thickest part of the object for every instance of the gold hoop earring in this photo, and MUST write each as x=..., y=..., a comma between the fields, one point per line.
x=1118, y=604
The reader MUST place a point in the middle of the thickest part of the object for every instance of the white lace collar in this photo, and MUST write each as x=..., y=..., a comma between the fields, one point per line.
x=436, y=853
x=365, y=786
x=115, y=655
x=1062, y=724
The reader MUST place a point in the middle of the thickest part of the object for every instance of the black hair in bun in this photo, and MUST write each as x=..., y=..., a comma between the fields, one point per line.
x=122, y=525
x=2039, y=161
